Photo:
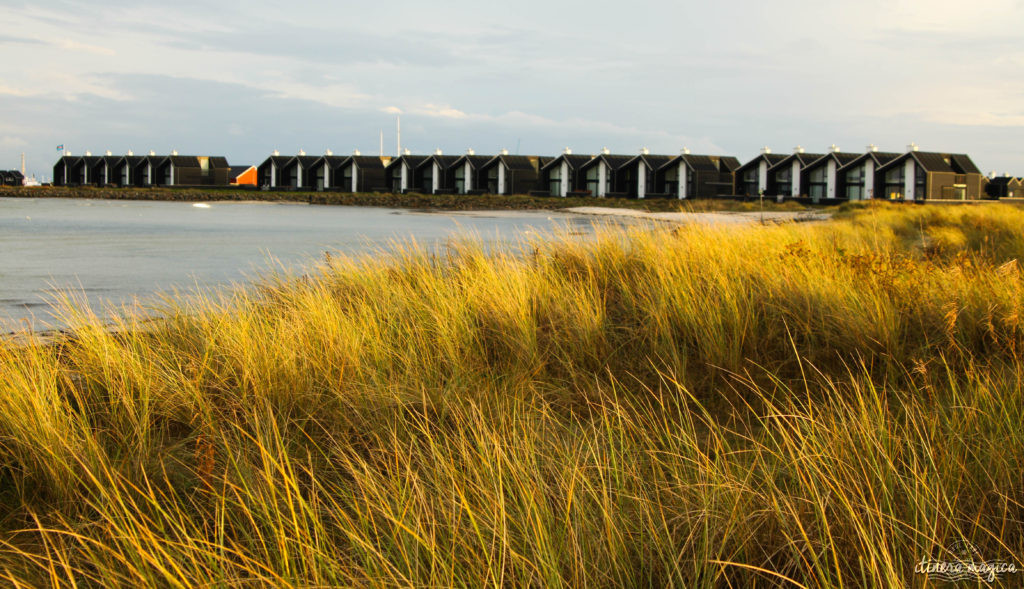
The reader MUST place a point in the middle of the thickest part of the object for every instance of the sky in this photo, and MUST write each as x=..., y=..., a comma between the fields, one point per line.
x=243, y=79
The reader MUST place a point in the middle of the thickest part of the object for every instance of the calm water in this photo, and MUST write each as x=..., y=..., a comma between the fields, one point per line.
x=113, y=251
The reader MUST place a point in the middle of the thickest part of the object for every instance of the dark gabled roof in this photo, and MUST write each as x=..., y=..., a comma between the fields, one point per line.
x=236, y=171
x=575, y=161
x=881, y=158
x=278, y=160
x=930, y=161
x=307, y=161
x=613, y=161
x=803, y=158
x=219, y=161
x=770, y=158
x=705, y=163
x=964, y=162
x=700, y=163
x=728, y=163
x=184, y=161
x=443, y=161
x=477, y=161
x=1006, y=180
x=518, y=162
x=367, y=161
x=653, y=162
x=840, y=158
x=131, y=160
x=333, y=161
x=413, y=161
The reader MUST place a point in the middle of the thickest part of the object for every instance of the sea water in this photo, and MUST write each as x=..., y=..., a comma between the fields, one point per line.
x=112, y=252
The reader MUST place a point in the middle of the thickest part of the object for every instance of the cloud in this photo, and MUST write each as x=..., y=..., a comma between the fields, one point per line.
x=9, y=91
x=7, y=141
x=12, y=39
x=446, y=112
x=85, y=48
x=244, y=79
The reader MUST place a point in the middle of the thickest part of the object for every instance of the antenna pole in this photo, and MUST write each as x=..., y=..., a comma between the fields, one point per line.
x=23, y=163
x=398, y=127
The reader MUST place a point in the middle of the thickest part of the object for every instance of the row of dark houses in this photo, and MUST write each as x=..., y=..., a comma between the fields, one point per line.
x=144, y=170
x=820, y=177
x=11, y=178
x=640, y=176
x=912, y=175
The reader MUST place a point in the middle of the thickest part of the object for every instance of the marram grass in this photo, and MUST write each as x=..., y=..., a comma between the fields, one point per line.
x=804, y=405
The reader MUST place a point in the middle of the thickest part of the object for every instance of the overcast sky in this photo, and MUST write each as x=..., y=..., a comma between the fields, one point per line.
x=242, y=79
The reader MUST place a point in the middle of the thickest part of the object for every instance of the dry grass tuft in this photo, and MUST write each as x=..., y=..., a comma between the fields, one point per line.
x=821, y=403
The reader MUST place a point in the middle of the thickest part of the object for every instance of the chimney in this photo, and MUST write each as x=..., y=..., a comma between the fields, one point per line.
x=110, y=152
x=276, y=152
x=567, y=151
x=504, y=152
x=328, y=152
x=604, y=151
x=798, y=149
x=174, y=152
x=470, y=151
x=766, y=150
x=354, y=152
x=912, y=146
x=88, y=153
x=407, y=151
x=301, y=152
x=645, y=151
x=130, y=152
x=686, y=151
x=151, y=152
x=438, y=151
x=833, y=148
x=873, y=148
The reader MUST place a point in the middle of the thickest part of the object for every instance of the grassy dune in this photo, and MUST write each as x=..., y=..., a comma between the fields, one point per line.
x=696, y=407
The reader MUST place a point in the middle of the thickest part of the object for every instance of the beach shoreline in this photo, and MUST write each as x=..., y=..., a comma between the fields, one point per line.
x=443, y=202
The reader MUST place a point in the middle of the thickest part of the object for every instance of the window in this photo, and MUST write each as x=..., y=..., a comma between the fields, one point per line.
x=749, y=182
x=492, y=179
x=784, y=181
x=855, y=184
x=818, y=182
x=671, y=181
x=594, y=179
x=460, y=179
x=555, y=181
x=427, y=179
x=894, y=182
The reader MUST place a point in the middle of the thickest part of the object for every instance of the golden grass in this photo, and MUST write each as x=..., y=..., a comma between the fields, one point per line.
x=696, y=407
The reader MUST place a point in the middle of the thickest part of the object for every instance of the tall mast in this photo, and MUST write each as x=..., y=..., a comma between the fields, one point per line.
x=398, y=126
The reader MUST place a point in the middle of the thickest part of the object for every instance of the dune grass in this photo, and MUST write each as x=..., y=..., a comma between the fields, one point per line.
x=817, y=405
